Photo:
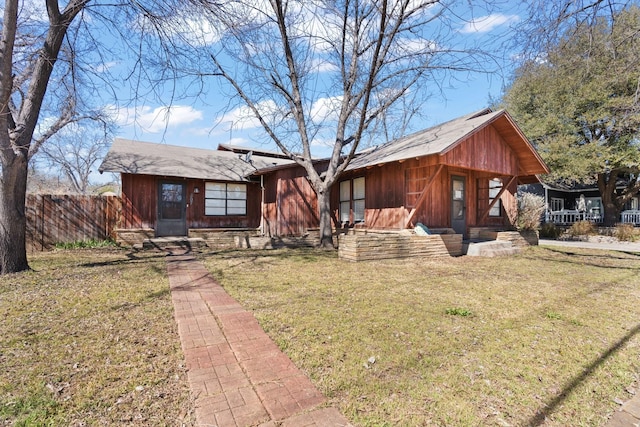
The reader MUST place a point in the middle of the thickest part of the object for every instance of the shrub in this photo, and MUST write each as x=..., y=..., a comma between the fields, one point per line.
x=625, y=232
x=530, y=210
x=582, y=228
x=550, y=231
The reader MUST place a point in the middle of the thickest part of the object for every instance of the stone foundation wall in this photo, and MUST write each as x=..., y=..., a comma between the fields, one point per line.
x=134, y=236
x=217, y=239
x=372, y=246
x=225, y=238
x=517, y=238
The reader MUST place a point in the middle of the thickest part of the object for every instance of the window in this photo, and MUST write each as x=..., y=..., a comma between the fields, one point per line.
x=345, y=201
x=495, y=185
x=225, y=199
x=594, y=206
x=557, y=204
x=352, y=199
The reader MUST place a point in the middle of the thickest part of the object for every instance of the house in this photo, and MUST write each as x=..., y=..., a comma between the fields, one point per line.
x=461, y=175
x=567, y=204
x=169, y=190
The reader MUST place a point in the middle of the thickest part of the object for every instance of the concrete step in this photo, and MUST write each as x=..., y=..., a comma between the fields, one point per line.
x=174, y=242
x=490, y=248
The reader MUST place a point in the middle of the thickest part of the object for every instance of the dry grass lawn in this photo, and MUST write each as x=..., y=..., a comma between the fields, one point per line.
x=88, y=338
x=549, y=337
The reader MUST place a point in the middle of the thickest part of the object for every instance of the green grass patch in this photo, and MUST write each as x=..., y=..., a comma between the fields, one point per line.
x=457, y=311
x=554, y=338
x=88, y=338
x=553, y=315
x=86, y=244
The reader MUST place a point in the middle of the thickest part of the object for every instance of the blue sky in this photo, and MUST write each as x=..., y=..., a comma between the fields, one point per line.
x=201, y=123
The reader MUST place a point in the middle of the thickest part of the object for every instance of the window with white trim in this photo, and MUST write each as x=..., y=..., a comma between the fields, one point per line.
x=594, y=205
x=352, y=200
x=222, y=199
x=495, y=185
x=358, y=199
x=345, y=201
x=557, y=204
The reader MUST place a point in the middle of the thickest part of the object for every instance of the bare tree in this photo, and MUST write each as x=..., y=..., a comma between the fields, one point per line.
x=313, y=71
x=74, y=152
x=49, y=68
x=549, y=22
x=24, y=77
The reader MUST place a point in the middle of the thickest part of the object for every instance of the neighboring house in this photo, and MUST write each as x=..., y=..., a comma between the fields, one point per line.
x=459, y=175
x=580, y=202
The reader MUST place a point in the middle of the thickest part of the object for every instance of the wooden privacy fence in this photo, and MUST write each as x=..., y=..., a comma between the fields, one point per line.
x=55, y=219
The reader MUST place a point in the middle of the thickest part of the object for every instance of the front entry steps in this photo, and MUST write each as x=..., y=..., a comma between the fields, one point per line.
x=174, y=242
x=490, y=248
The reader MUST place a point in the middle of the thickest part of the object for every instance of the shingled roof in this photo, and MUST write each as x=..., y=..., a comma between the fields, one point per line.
x=136, y=157
x=444, y=137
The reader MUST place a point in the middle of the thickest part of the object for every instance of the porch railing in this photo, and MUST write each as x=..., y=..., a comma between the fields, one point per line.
x=571, y=216
x=566, y=217
x=630, y=217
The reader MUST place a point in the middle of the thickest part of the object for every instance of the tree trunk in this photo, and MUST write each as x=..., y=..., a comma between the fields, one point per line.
x=607, y=187
x=324, y=208
x=13, y=220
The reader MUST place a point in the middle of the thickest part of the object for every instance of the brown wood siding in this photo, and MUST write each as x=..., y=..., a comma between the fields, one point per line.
x=140, y=198
x=392, y=189
x=291, y=205
x=269, y=211
x=485, y=150
x=384, y=196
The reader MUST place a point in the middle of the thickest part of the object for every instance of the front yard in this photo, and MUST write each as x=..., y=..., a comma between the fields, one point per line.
x=88, y=338
x=549, y=337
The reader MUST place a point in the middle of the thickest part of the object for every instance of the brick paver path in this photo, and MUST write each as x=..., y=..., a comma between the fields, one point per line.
x=628, y=415
x=237, y=375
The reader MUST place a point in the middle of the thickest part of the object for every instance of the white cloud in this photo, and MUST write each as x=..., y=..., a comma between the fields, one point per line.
x=243, y=118
x=319, y=65
x=323, y=142
x=199, y=31
x=102, y=68
x=484, y=24
x=417, y=45
x=33, y=11
x=238, y=142
x=157, y=119
x=325, y=109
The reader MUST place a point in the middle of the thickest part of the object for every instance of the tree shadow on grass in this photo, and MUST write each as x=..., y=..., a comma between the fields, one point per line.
x=595, y=260
x=132, y=256
x=540, y=416
x=152, y=296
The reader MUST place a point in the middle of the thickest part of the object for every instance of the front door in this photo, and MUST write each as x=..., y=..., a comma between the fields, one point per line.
x=458, y=205
x=172, y=209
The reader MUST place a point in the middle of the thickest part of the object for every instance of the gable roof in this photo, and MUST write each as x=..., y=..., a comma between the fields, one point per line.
x=146, y=158
x=444, y=137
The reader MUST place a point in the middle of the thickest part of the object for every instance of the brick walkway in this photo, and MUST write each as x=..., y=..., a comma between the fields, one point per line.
x=237, y=375
x=628, y=415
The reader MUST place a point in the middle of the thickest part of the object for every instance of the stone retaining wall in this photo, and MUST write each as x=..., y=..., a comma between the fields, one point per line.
x=372, y=246
x=133, y=236
x=518, y=239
